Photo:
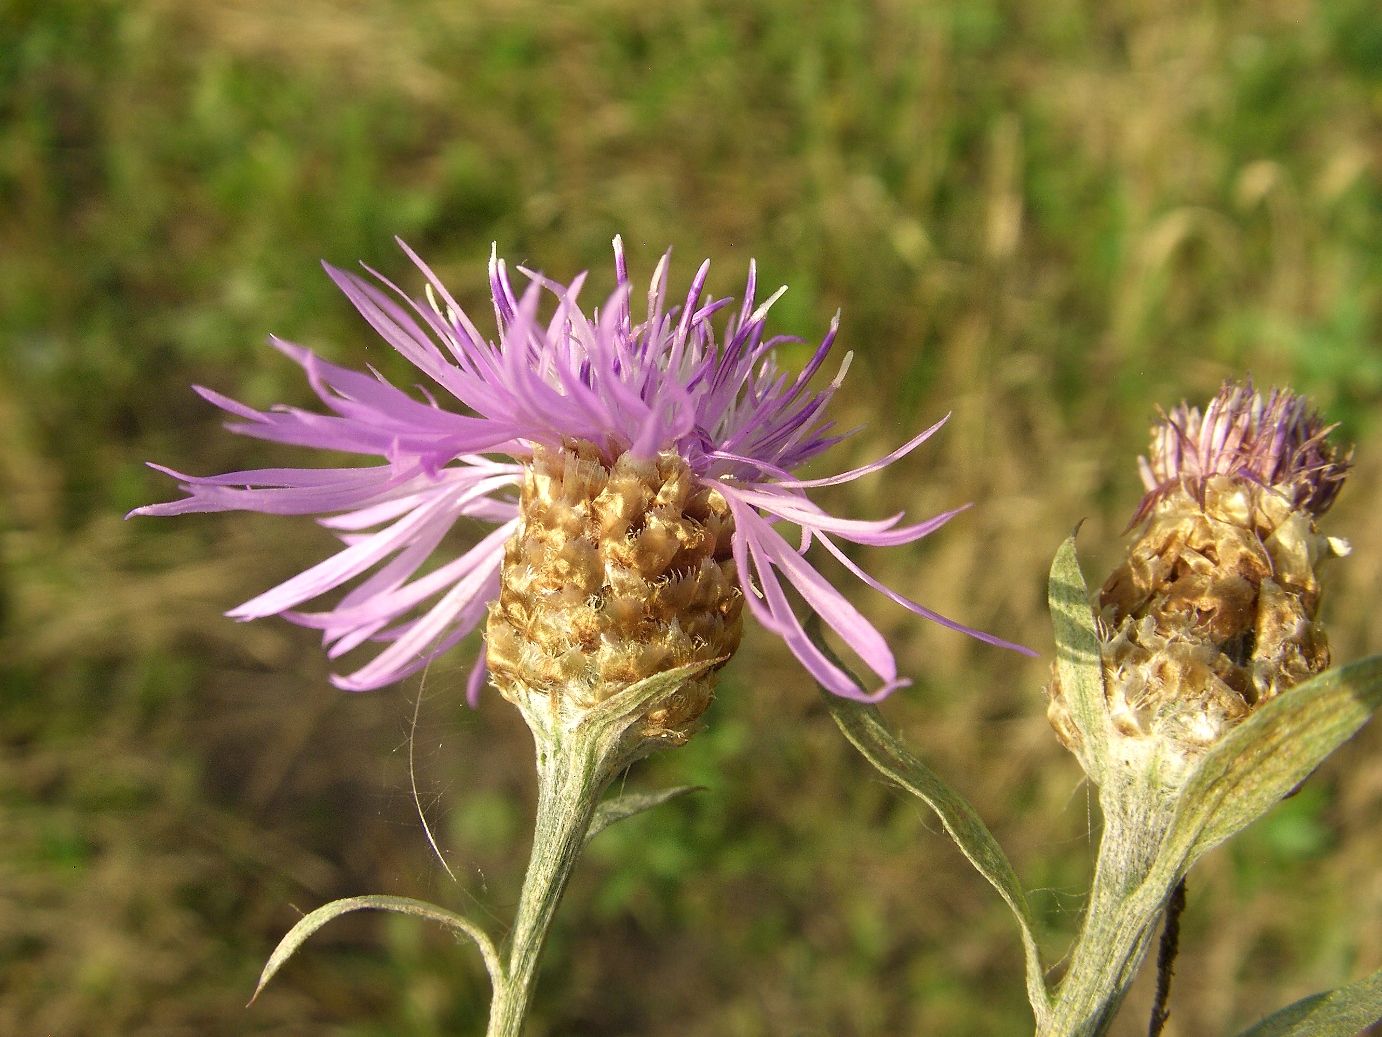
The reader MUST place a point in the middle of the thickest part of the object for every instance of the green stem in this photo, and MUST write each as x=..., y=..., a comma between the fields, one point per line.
x=1119, y=924
x=571, y=777
x=579, y=751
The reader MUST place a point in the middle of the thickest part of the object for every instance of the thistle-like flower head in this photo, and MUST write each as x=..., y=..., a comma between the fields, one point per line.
x=1213, y=611
x=635, y=474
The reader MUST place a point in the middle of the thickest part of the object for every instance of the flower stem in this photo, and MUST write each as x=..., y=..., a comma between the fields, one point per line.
x=571, y=777
x=579, y=751
x=1118, y=928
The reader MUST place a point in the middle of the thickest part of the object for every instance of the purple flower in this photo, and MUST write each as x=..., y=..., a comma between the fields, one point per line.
x=1275, y=441
x=665, y=383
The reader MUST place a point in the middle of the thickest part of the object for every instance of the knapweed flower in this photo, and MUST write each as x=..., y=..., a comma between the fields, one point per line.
x=635, y=475
x=1213, y=610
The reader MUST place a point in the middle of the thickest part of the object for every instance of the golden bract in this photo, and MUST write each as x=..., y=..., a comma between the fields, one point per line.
x=615, y=574
x=1211, y=613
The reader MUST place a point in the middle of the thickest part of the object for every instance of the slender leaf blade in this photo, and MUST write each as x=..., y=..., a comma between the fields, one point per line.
x=1259, y=762
x=617, y=808
x=1078, y=657
x=310, y=923
x=865, y=729
x=1343, y=1012
x=638, y=698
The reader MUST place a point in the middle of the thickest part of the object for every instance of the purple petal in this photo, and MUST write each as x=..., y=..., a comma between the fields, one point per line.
x=921, y=610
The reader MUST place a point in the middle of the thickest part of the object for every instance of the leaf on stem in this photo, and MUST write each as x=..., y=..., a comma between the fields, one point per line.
x=617, y=808
x=1335, y=1013
x=863, y=725
x=1078, y=658
x=310, y=923
x=1259, y=762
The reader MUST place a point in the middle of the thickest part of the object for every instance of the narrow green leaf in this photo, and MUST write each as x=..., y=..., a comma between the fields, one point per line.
x=618, y=808
x=1265, y=757
x=863, y=725
x=1336, y=1013
x=310, y=923
x=1078, y=657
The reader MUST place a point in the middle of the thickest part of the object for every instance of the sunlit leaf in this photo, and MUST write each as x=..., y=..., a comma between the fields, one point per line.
x=1257, y=763
x=863, y=725
x=1077, y=658
x=1337, y=1013
x=310, y=923
x=637, y=699
x=618, y=808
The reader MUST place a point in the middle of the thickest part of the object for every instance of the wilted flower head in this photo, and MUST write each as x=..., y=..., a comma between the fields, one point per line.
x=635, y=473
x=1276, y=442
x=1213, y=610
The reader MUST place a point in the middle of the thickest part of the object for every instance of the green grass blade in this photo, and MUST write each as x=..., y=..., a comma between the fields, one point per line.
x=310, y=923
x=1335, y=1013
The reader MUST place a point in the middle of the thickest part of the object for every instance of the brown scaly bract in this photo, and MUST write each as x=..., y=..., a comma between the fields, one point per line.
x=1213, y=611
x=615, y=574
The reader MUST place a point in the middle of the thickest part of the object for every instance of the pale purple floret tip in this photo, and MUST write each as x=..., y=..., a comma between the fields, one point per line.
x=664, y=383
x=1275, y=440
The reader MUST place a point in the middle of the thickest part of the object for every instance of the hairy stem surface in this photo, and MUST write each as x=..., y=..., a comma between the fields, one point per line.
x=569, y=787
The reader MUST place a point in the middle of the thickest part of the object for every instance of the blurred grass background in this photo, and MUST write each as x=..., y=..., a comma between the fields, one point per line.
x=1048, y=219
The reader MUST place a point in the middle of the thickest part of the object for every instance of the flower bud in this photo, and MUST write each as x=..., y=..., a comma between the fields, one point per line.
x=1213, y=610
